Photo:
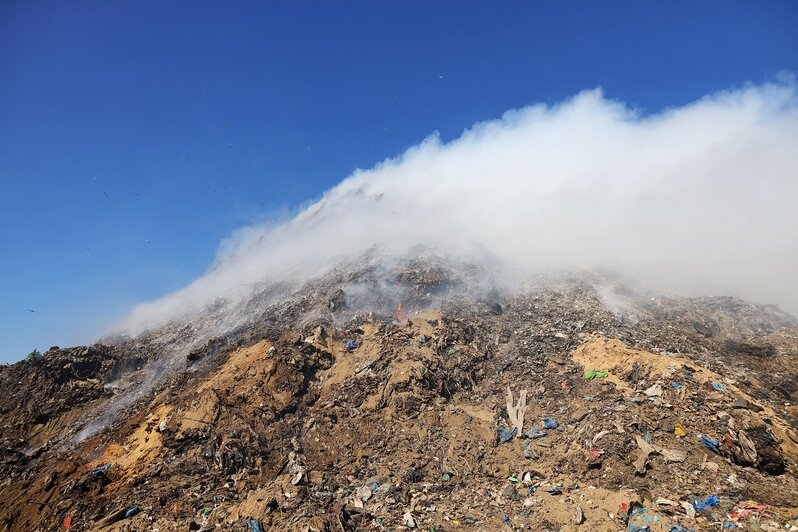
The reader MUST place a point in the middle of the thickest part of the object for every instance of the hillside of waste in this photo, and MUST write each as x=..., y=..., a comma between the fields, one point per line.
x=574, y=403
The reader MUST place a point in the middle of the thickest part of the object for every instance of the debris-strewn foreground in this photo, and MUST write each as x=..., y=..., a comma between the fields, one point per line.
x=540, y=411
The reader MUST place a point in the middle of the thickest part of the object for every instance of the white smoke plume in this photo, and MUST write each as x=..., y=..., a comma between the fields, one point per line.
x=700, y=198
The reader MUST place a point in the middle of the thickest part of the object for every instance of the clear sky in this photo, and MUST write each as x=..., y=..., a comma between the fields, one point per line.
x=134, y=136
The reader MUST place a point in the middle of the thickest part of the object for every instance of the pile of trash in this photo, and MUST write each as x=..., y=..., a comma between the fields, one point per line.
x=439, y=406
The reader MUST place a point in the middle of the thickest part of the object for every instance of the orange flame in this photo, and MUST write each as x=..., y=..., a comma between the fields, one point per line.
x=400, y=315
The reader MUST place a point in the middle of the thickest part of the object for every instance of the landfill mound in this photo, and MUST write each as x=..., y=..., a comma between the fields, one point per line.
x=571, y=405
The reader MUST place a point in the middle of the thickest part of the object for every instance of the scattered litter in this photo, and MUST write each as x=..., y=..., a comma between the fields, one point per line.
x=688, y=508
x=100, y=469
x=653, y=391
x=709, y=502
x=534, y=434
x=506, y=435
x=529, y=452
x=646, y=449
x=642, y=520
x=295, y=468
x=364, y=493
x=748, y=509
x=710, y=443
x=600, y=435
x=595, y=453
x=550, y=423
x=596, y=374
x=364, y=366
x=350, y=345
x=720, y=387
x=254, y=525
x=672, y=455
x=412, y=439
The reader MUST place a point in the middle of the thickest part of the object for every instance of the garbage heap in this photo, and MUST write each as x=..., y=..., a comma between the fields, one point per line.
x=551, y=409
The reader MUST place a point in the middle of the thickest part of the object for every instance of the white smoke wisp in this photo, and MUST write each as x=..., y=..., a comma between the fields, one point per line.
x=702, y=197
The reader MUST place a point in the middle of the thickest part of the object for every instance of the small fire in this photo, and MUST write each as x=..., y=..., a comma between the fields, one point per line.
x=399, y=316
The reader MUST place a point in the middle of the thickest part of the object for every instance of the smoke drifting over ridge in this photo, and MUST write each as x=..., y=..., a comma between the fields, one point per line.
x=699, y=198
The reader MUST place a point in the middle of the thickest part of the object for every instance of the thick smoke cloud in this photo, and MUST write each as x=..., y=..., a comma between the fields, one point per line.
x=699, y=198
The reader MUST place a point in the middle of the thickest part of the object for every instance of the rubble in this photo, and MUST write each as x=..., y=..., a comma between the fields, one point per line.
x=284, y=425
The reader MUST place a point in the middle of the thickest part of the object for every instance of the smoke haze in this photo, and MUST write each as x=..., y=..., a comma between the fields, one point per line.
x=698, y=199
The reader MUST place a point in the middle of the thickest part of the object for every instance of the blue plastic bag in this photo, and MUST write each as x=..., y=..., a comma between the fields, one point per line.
x=534, y=434
x=550, y=423
x=506, y=435
x=709, y=502
x=710, y=443
x=254, y=525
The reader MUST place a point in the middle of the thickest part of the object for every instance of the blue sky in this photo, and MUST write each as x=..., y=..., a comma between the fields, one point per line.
x=134, y=138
